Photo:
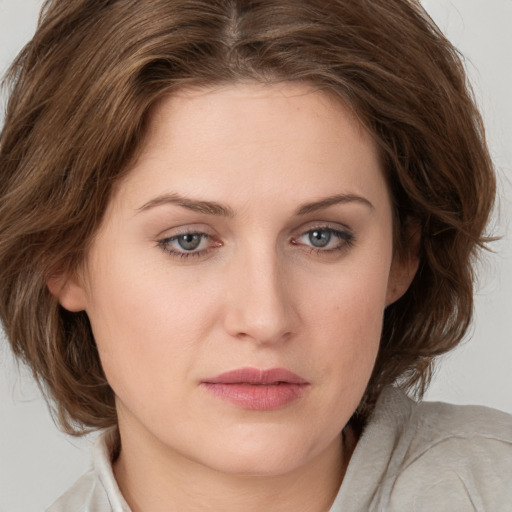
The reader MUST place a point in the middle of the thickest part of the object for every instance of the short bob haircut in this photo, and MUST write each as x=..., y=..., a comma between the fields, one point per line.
x=80, y=95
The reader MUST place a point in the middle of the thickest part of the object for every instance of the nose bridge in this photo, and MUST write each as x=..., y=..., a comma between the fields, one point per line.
x=260, y=306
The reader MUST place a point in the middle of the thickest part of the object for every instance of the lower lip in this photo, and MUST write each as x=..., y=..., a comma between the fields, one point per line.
x=264, y=397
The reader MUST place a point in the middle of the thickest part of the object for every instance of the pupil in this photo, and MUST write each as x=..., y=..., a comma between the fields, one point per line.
x=319, y=238
x=189, y=242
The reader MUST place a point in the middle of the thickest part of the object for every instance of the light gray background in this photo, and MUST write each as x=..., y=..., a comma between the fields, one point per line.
x=37, y=462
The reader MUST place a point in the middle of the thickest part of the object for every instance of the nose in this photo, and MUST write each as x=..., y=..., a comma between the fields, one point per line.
x=259, y=305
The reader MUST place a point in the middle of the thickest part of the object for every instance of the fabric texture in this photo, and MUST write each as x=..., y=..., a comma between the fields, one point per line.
x=411, y=457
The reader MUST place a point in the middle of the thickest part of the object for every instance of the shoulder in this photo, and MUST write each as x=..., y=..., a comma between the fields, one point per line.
x=86, y=495
x=97, y=490
x=454, y=458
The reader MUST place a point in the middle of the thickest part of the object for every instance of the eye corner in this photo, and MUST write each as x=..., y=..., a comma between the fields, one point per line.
x=341, y=234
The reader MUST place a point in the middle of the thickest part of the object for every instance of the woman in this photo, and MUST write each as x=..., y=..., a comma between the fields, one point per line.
x=228, y=229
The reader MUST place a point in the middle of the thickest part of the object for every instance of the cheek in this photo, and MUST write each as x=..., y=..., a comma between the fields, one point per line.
x=145, y=322
x=351, y=299
x=346, y=321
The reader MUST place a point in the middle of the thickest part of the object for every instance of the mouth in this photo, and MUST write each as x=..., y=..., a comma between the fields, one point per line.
x=257, y=389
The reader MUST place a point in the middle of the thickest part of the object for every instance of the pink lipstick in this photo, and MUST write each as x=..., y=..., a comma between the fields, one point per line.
x=257, y=389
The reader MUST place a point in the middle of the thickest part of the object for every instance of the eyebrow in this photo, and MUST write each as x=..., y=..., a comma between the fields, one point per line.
x=213, y=208
x=207, y=207
x=332, y=200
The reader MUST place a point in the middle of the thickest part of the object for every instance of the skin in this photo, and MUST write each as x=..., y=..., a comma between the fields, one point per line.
x=256, y=292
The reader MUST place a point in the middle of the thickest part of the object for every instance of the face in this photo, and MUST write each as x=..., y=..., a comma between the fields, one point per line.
x=237, y=285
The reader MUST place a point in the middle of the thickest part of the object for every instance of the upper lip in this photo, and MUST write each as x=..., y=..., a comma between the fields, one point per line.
x=257, y=376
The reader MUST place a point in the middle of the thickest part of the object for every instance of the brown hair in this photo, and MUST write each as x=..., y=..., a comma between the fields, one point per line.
x=80, y=95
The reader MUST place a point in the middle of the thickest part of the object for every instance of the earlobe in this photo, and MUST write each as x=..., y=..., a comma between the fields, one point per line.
x=69, y=292
x=400, y=278
x=403, y=269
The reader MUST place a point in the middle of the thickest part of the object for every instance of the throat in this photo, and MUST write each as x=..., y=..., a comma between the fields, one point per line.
x=157, y=485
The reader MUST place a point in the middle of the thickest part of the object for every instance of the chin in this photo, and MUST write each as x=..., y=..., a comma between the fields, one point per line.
x=261, y=455
x=257, y=465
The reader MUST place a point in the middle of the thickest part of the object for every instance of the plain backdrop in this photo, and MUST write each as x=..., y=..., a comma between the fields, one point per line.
x=37, y=462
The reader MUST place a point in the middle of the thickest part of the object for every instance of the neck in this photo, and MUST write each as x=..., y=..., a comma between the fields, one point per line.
x=151, y=479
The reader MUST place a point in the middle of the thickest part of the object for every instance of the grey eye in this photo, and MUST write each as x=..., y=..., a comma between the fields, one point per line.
x=189, y=242
x=319, y=237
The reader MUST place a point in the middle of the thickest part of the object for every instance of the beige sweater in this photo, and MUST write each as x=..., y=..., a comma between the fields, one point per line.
x=412, y=457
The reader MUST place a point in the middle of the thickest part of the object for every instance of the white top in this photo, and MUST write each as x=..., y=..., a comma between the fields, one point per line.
x=411, y=457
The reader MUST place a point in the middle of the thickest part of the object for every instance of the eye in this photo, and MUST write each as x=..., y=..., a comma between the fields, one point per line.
x=188, y=244
x=189, y=241
x=325, y=239
x=320, y=237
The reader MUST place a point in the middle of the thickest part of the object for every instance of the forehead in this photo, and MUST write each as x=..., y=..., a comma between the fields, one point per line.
x=304, y=107
x=254, y=139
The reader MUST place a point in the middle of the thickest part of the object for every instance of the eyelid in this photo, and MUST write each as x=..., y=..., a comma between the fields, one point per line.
x=168, y=236
x=327, y=225
x=185, y=229
x=343, y=233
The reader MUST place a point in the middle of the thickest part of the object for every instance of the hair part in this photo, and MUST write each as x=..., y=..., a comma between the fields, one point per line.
x=81, y=93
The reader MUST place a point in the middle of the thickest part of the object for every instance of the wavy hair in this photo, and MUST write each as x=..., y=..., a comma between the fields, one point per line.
x=79, y=97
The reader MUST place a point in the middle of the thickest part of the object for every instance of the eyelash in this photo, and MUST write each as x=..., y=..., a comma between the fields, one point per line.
x=346, y=236
x=165, y=245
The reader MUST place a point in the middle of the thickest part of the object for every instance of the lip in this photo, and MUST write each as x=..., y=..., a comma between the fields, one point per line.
x=257, y=389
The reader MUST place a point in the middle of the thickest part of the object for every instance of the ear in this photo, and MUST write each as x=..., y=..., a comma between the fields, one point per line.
x=404, y=267
x=69, y=292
